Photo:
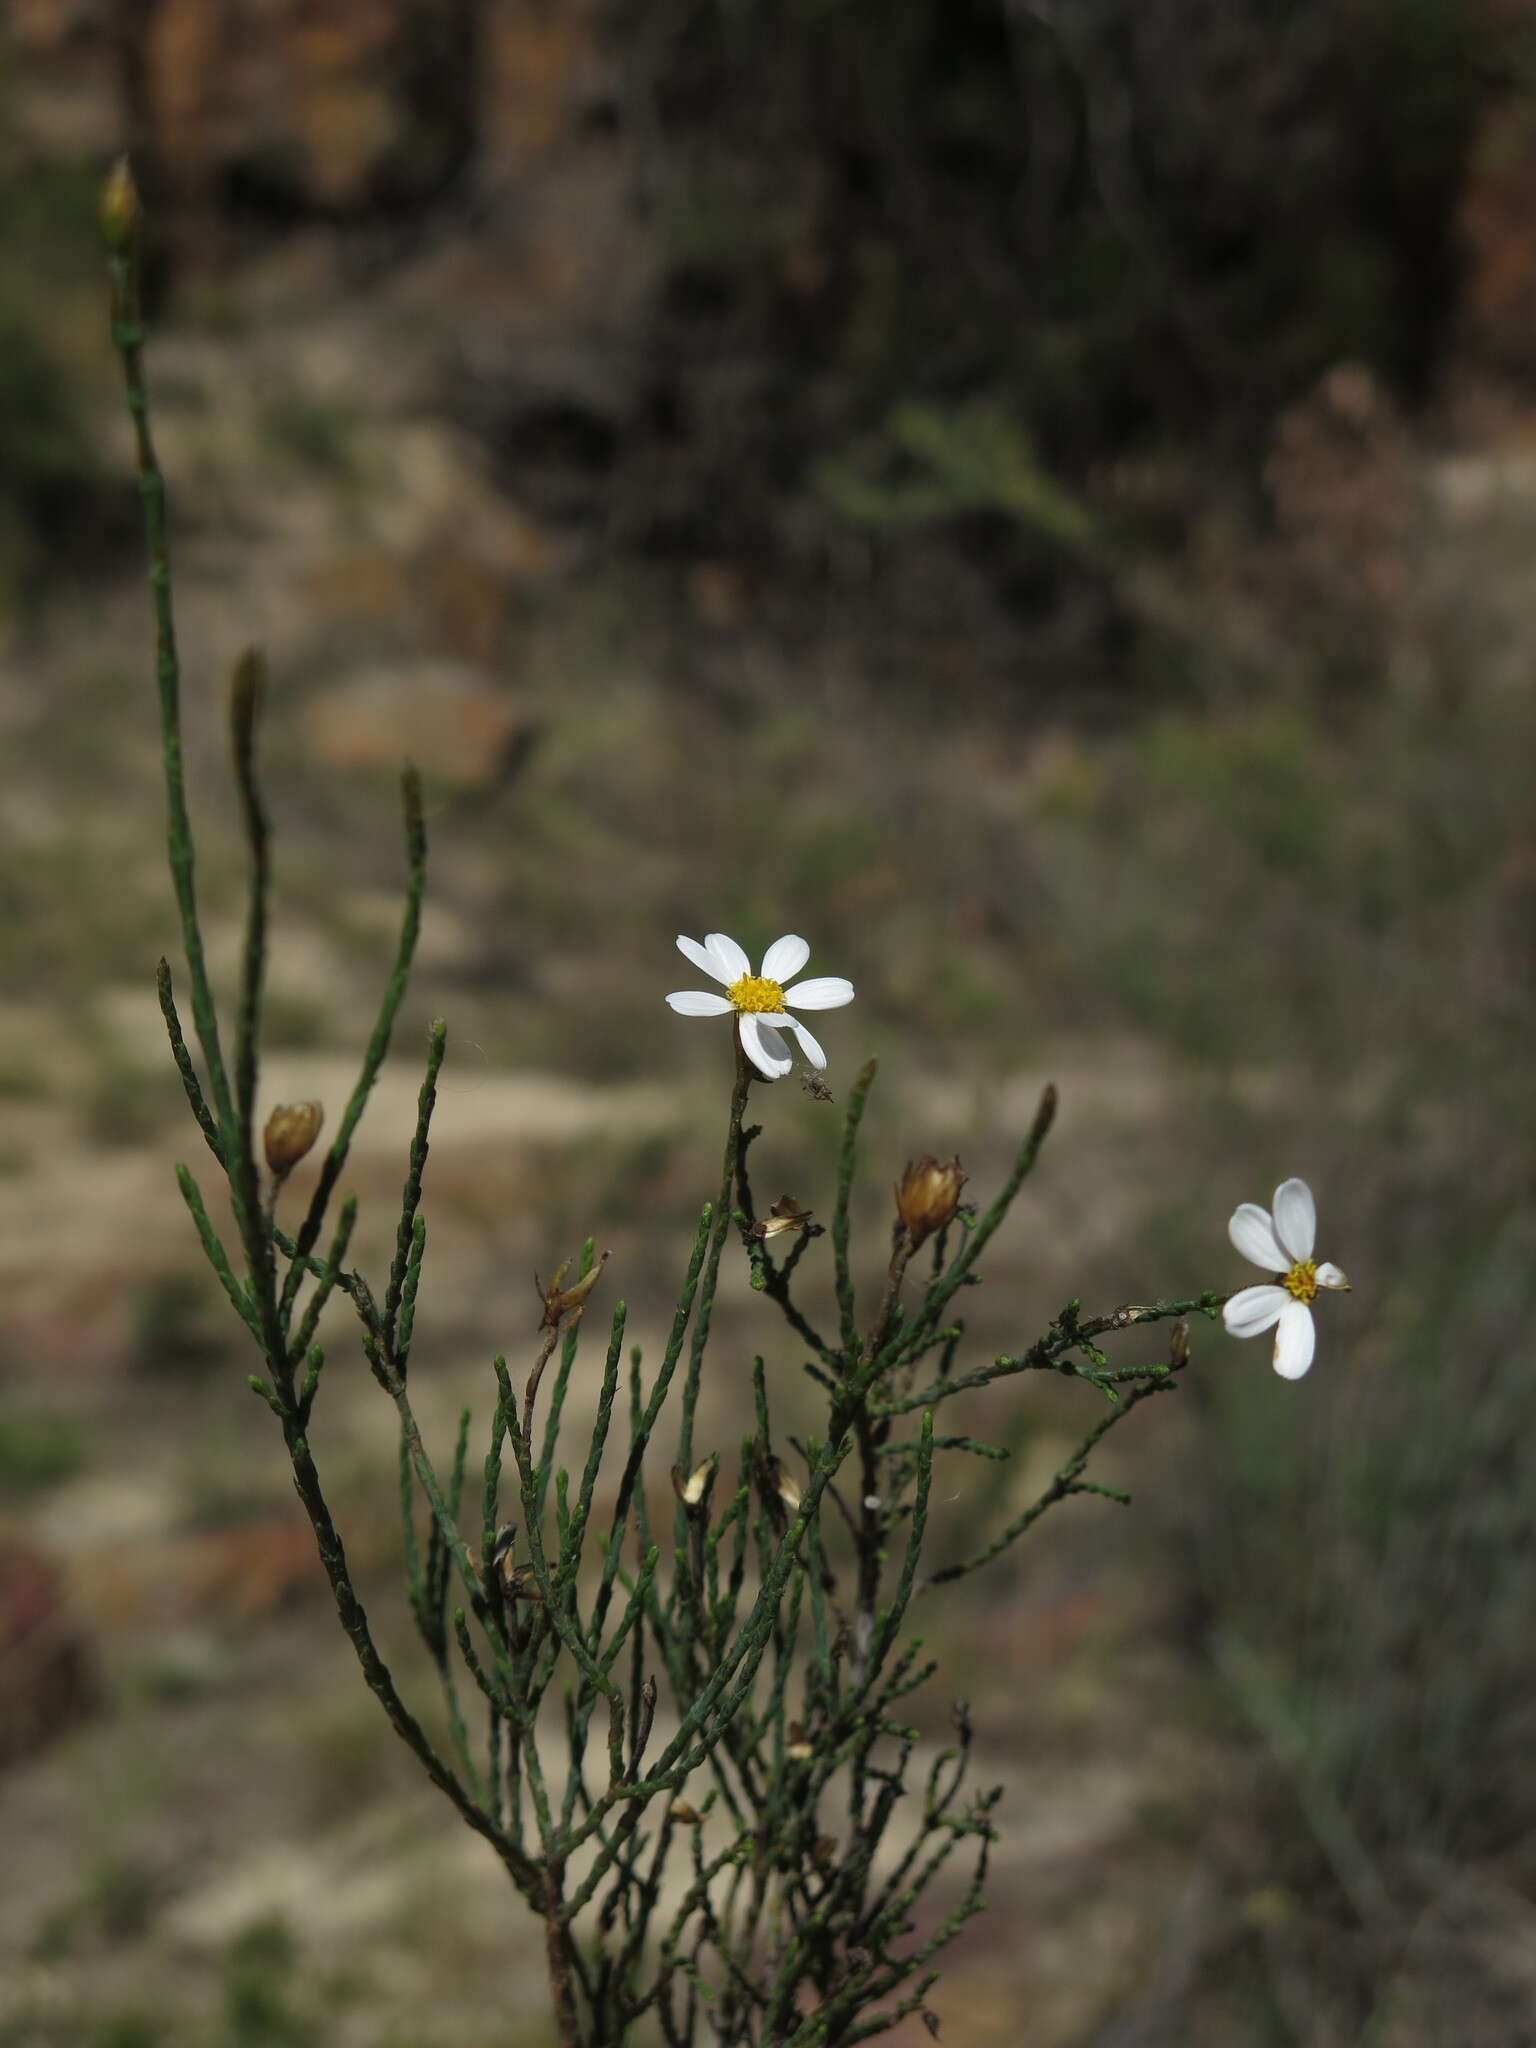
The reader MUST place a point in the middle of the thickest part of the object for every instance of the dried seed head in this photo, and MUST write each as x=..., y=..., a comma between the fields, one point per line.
x=1134, y=1312
x=927, y=1196
x=786, y=1214
x=785, y=1485
x=120, y=213
x=501, y=1551
x=559, y=1300
x=522, y=1583
x=290, y=1131
x=692, y=1488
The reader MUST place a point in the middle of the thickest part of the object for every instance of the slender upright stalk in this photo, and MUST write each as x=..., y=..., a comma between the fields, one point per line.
x=722, y=1222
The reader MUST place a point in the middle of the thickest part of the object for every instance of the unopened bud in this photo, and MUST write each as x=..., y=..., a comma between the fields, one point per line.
x=799, y=1748
x=927, y=1196
x=291, y=1130
x=120, y=213
x=681, y=1811
x=1178, y=1345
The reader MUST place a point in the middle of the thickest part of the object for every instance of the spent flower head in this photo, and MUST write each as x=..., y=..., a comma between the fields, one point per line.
x=1282, y=1244
x=692, y=1488
x=927, y=1196
x=761, y=1002
x=290, y=1132
x=786, y=1214
x=558, y=1299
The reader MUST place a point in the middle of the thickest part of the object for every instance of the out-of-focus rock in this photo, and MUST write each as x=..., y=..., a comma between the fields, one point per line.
x=300, y=108
x=251, y=1569
x=1496, y=216
x=537, y=77
x=45, y=1665
x=295, y=108
x=1339, y=473
x=451, y=719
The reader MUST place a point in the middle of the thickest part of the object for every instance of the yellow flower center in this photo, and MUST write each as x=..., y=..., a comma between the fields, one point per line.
x=1301, y=1281
x=755, y=992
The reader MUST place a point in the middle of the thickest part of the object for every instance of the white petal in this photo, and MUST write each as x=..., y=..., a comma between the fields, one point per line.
x=1254, y=1235
x=1253, y=1310
x=1295, y=1220
x=1330, y=1276
x=828, y=992
x=785, y=957
x=696, y=1002
x=1295, y=1335
x=702, y=958
x=730, y=961
x=808, y=1045
x=764, y=1047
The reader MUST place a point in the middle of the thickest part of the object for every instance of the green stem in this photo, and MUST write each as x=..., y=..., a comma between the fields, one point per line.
x=128, y=339
x=840, y=1214
x=721, y=1224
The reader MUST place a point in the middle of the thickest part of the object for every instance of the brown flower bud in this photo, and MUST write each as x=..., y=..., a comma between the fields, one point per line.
x=681, y=1811
x=120, y=212
x=291, y=1130
x=927, y=1196
x=799, y=1748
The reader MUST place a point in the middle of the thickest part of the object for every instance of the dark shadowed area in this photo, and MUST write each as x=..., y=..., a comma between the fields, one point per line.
x=1038, y=496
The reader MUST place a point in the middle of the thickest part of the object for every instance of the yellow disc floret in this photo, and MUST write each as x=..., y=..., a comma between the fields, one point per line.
x=755, y=992
x=1301, y=1281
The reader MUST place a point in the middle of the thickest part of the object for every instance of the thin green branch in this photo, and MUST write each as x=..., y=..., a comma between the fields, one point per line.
x=842, y=1263
x=183, y=1059
x=1068, y=1480
x=378, y=1043
x=410, y=1199
x=1066, y=1334
x=124, y=264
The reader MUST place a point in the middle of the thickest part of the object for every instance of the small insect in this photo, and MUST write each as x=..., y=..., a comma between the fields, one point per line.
x=814, y=1086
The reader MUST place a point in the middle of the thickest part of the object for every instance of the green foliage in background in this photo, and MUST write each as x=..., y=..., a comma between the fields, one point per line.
x=1107, y=230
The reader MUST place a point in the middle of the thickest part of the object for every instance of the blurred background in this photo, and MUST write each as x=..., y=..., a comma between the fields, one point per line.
x=1038, y=496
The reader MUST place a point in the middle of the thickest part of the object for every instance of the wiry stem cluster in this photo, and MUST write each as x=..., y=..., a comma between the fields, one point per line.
x=715, y=1853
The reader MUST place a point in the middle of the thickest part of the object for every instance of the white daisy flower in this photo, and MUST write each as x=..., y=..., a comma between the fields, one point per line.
x=760, y=1001
x=1282, y=1244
